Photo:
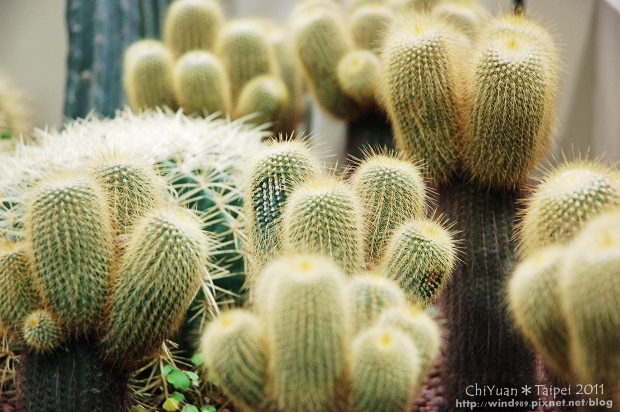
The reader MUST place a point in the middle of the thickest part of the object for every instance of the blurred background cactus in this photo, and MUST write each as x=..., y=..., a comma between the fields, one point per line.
x=15, y=122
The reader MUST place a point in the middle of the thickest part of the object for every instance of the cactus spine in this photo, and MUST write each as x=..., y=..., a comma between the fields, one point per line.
x=41, y=332
x=320, y=41
x=17, y=295
x=589, y=288
x=273, y=174
x=369, y=295
x=161, y=269
x=357, y=73
x=514, y=74
x=384, y=371
x=233, y=350
x=564, y=201
x=535, y=302
x=421, y=329
x=192, y=25
x=307, y=330
x=420, y=256
x=201, y=84
x=148, y=67
x=324, y=216
x=69, y=227
x=392, y=190
x=421, y=92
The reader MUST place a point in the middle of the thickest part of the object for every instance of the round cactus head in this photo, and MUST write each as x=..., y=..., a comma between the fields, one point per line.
x=564, y=201
x=41, y=332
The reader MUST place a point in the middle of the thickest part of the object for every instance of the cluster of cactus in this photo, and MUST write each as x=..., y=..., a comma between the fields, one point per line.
x=14, y=115
x=206, y=64
x=563, y=293
x=476, y=103
x=374, y=219
x=129, y=183
x=334, y=266
x=317, y=340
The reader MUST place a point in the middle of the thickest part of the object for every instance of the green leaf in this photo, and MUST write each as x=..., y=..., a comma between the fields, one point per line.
x=179, y=379
x=167, y=370
x=189, y=408
x=178, y=396
x=171, y=404
x=197, y=359
x=208, y=408
x=136, y=408
x=192, y=376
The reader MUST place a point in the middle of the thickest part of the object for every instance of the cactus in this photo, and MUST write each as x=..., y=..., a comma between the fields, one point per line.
x=69, y=227
x=307, y=330
x=503, y=144
x=420, y=328
x=564, y=201
x=161, y=269
x=192, y=25
x=14, y=115
x=147, y=78
x=17, y=295
x=321, y=40
x=421, y=93
x=324, y=216
x=272, y=175
x=201, y=84
x=245, y=51
x=384, y=370
x=368, y=25
x=357, y=73
x=468, y=16
x=265, y=95
x=132, y=187
x=233, y=351
x=589, y=290
x=41, y=332
x=420, y=256
x=392, y=190
x=369, y=295
x=534, y=300
x=292, y=77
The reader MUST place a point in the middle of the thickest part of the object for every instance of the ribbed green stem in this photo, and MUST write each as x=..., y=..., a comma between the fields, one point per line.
x=483, y=347
x=73, y=378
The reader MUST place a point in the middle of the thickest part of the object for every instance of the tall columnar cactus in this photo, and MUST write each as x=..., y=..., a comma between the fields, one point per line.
x=69, y=228
x=307, y=331
x=535, y=302
x=421, y=92
x=147, y=78
x=358, y=74
x=273, y=174
x=420, y=256
x=324, y=216
x=163, y=265
x=14, y=115
x=201, y=84
x=589, y=290
x=245, y=51
x=192, y=25
x=369, y=294
x=502, y=146
x=392, y=190
x=385, y=370
x=321, y=40
x=234, y=352
x=564, y=201
x=421, y=328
